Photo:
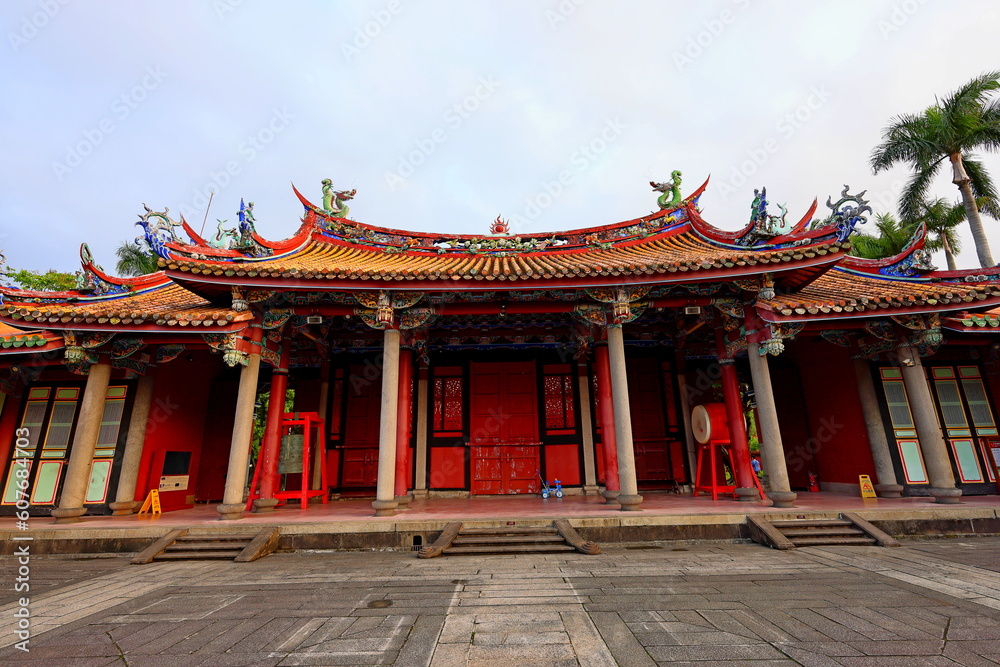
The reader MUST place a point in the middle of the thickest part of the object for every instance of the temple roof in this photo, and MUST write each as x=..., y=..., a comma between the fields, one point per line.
x=15, y=340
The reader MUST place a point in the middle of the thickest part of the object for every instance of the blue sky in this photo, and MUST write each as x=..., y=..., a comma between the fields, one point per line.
x=554, y=114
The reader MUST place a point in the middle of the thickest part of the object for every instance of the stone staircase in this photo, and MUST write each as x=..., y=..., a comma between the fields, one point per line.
x=236, y=547
x=847, y=529
x=559, y=537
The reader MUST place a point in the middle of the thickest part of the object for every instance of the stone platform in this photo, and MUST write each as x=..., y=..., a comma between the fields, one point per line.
x=349, y=524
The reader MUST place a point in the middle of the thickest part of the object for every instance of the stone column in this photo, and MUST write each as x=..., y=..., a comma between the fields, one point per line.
x=629, y=498
x=125, y=502
x=609, y=445
x=770, y=433
x=81, y=458
x=385, y=504
x=270, y=446
x=932, y=444
x=403, y=411
x=420, y=462
x=239, y=448
x=887, y=486
x=587, y=429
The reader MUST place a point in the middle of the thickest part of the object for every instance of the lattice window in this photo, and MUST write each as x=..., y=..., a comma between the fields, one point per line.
x=448, y=392
x=560, y=409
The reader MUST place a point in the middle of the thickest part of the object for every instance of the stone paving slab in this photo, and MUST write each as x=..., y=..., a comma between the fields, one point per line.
x=920, y=604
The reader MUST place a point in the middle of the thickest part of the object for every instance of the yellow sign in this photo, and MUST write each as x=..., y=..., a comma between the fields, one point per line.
x=152, y=502
x=867, y=488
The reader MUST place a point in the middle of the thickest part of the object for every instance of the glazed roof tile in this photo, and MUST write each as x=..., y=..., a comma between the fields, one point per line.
x=13, y=339
x=848, y=293
x=165, y=305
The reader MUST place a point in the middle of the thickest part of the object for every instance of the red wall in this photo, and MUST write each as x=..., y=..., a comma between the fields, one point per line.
x=837, y=434
x=177, y=422
x=8, y=424
x=218, y=436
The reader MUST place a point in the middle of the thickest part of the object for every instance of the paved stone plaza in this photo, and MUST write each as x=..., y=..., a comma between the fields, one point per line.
x=927, y=603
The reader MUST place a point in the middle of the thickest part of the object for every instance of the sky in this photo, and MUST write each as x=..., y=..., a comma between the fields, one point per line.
x=554, y=114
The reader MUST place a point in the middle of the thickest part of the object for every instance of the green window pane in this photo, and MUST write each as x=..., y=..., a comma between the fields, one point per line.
x=899, y=409
x=979, y=405
x=913, y=463
x=44, y=491
x=10, y=488
x=97, y=490
x=951, y=403
x=968, y=464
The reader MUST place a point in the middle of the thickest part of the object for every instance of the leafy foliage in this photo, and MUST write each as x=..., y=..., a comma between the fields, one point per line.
x=892, y=237
x=37, y=281
x=135, y=260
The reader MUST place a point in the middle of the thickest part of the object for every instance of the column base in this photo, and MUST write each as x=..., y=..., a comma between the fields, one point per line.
x=630, y=503
x=419, y=494
x=782, y=498
x=123, y=508
x=610, y=497
x=591, y=490
x=264, y=505
x=889, y=490
x=68, y=514
x=403, y=502
x=943, y=496
x=384, y=507
x=230, y=512
x=747, y=494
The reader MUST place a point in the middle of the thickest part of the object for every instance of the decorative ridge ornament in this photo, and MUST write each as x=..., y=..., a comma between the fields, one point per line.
x=844, y=216
x=671, y=197
x=158, y=230
x=500, y=227
x=335, y=201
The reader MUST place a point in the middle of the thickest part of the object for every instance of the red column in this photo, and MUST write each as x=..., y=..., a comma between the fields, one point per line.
x=738, y=447
x=270, y=447
x=8, y=426
x=609, y=446
x=403, y=412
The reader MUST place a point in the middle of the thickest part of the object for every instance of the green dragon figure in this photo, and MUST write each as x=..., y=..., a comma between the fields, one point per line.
x=334, y=201
x=671, y=197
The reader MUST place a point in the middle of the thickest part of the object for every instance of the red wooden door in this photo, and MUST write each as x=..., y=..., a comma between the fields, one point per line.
x=360, y=454
x=503, y=428
x=652, y=461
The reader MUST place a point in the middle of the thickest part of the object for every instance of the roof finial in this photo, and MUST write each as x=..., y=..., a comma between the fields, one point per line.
x=500, y=227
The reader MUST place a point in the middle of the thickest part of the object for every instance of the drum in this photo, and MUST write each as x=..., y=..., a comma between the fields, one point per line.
x=708, y=423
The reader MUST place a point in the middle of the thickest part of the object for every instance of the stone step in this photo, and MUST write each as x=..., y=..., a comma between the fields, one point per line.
x=206, y=546
x=544, y=530
x=822, y=532
x=509, y=549
x=811, y=523
x=508, y=539
x=831, y=541
x=246, y=539
x=199, y=555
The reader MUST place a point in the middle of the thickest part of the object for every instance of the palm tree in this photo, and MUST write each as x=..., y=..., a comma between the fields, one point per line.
x=942, y=219
x=965, y=121
x=893, y=236
x=135, y=260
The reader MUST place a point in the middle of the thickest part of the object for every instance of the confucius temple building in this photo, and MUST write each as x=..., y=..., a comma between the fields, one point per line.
x=429, y=366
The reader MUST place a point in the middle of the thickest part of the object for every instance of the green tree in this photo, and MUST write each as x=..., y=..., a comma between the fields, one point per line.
x=942, y=219
x=135, y=259
x=892, y=237
x=967, y=120
x=38, y=281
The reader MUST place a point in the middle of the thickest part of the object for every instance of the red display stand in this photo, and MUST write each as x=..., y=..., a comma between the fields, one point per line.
x=714, y=485
x=312, y=429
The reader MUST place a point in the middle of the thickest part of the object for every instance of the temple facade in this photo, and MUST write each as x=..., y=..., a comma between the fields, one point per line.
x=428, y=365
